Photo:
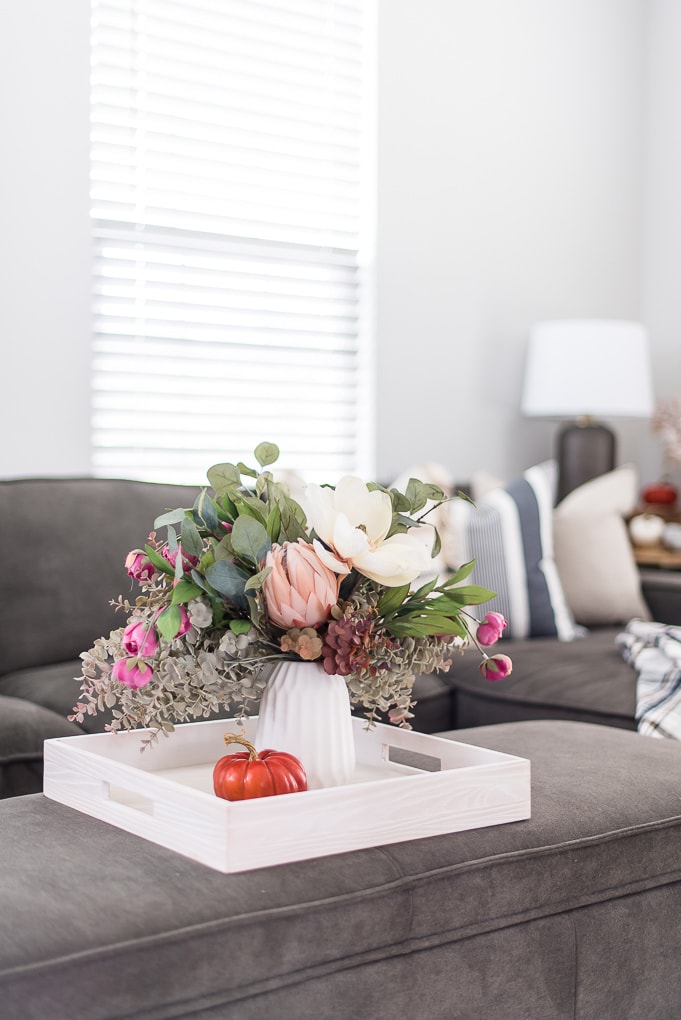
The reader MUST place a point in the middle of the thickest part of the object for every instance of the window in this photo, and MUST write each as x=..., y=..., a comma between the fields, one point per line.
x=231, y=223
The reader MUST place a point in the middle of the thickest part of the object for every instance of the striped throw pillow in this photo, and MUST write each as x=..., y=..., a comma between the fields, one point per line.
x=510, y=536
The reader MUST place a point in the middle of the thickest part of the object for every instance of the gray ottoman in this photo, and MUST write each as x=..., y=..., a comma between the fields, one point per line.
x=572, y=914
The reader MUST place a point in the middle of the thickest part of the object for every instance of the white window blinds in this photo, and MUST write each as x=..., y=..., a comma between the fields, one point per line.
x=229, y=210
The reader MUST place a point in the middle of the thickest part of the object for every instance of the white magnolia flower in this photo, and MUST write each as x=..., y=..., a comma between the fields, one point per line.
x=354, y=521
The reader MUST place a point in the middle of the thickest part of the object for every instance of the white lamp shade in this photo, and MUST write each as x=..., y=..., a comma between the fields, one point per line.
x=596, y=367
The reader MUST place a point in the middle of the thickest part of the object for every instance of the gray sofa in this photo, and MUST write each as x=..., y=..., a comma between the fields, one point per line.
x=63, y=544
x=571, y=915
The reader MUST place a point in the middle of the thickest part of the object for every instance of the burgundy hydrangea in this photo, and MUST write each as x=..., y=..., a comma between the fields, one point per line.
x=349, y=645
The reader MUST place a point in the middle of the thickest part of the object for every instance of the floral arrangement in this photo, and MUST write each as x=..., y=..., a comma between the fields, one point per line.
x=666, y=422
x=247, y=576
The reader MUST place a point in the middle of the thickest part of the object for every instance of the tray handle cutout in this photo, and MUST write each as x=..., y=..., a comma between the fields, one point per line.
x=415, y=759
x=129, y=799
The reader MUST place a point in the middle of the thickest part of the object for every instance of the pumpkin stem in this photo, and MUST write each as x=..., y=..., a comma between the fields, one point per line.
x=233, y=738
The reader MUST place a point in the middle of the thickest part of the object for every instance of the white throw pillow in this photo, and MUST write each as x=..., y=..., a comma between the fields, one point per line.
x=509, y=534
x=593, y=553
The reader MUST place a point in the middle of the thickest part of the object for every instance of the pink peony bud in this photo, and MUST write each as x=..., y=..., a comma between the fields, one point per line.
x=132, y=672
x=188, y=561
x=186, y=623
x=140, y=639
x=496, y=667
x=300, y=590
x=491, y=628
x=139, y=566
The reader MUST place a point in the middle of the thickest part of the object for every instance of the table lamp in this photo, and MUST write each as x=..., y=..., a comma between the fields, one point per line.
x=586, y=369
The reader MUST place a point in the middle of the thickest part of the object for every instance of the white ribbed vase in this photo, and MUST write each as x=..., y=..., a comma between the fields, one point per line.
x=306, y=712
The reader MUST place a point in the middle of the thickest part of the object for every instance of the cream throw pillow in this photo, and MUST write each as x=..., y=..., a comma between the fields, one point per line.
x=593, y=553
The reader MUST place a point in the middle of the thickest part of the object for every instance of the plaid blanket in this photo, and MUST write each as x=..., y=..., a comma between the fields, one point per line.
x=654, y=650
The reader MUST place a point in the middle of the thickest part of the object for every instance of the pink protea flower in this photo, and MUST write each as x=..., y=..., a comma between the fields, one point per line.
x=491, y=628
x=132, y=672
x=139, y=566
x=140, y=638
x=299, y=591
x=496, y=667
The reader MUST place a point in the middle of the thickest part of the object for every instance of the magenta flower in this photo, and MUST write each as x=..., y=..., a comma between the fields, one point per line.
x=186, y=623
x=132, y=672
x=495, y=667
x=188, y=561
x=140, y=639
x=139, y=566
x=491, y=628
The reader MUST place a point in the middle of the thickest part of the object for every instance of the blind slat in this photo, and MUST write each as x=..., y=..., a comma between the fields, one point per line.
x=229, y=210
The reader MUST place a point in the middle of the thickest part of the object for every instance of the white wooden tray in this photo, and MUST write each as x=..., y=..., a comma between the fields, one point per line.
x=165, y=794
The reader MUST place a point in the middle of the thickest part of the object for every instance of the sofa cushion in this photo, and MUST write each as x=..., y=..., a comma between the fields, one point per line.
x=594, y=555
x=571, y=913
x=510, y=536
x=63, y=545
x=584, y=680
x=23, y=729
x=54, y=687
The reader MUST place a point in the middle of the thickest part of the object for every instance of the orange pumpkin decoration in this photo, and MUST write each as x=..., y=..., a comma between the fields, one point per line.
x=248, y=774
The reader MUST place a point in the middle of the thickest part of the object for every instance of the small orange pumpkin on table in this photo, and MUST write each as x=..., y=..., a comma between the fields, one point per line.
x=248, y=774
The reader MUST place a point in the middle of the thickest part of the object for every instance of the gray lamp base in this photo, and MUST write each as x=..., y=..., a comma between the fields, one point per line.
x=584, y=452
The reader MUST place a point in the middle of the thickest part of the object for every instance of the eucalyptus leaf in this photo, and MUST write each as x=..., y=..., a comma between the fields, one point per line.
x=239, y=626
x=246, y=470
x=171, y=517
x=266, y=453
x=223, y=477
x=190, y=538
x=205, y=513
x=227, y=579
x=250, y=540
x=416, y=494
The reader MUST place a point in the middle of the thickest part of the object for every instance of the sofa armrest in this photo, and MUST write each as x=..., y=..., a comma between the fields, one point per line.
x=662, y=592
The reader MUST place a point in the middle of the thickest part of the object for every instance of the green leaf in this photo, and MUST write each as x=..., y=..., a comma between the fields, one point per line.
x=168, y=622
x=223, y=478
x=239, y=626
x=250, y=540
x=171, y=517
x=160, y=562
x=273, y=523
x=266, y=453
x=460, y=575
x=190, y=538
x=399, y=501
x=437, y=543
x=228, y=580
x=434, y=492
x=416, y=494
x=474, y=594
x=256, y=580
x=425, y=589
x=184, y=591
x=392, y=599
x=246, y=470
x=205, y=514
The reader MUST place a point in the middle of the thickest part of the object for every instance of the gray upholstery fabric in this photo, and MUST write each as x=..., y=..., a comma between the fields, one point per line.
x=62, y=549
x=570, y=914
x=583, y=680
x=23, y=729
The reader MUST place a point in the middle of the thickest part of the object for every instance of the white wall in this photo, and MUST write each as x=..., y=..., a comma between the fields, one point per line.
x=510, y=190
x=511, y=143
x=44, y=238
x=663, y=206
